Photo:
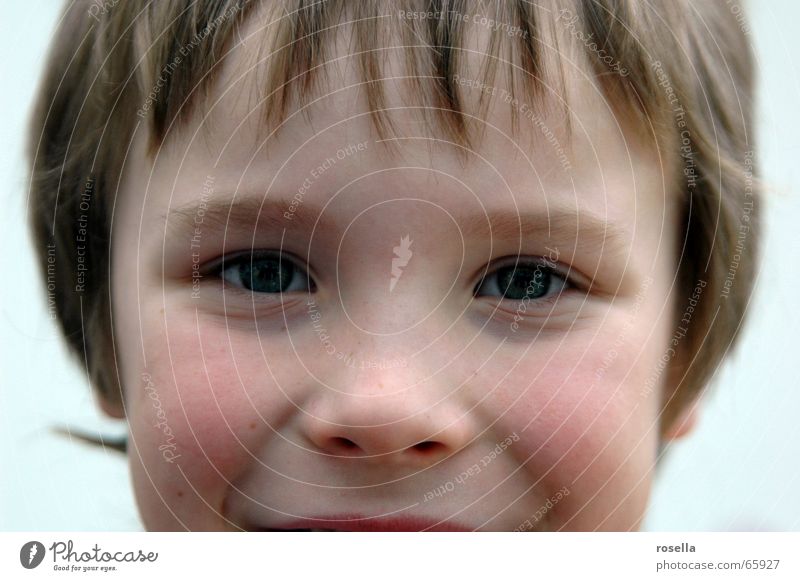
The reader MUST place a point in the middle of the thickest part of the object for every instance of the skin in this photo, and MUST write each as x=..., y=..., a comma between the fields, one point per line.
x=242, y=417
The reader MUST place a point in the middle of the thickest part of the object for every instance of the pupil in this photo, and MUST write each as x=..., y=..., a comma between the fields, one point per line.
x=517, y=282
x=266, y=275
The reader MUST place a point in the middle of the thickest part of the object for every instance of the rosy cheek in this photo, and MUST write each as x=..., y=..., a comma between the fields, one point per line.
x=587, y=420
x=203, y=400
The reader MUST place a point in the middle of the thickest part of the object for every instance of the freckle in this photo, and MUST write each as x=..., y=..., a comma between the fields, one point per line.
x=252, y=425
x=180, y=493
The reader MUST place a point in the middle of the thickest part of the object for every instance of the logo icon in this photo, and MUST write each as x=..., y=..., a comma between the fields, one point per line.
x=402, y=255
x=31, y=554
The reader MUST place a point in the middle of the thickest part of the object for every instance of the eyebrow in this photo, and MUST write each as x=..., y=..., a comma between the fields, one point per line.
x=246, y=213
x=560, y=226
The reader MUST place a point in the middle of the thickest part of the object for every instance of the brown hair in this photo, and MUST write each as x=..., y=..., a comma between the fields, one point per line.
x=681, y=68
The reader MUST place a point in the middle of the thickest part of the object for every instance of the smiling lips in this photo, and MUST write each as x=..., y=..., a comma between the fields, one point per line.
x=359, y=523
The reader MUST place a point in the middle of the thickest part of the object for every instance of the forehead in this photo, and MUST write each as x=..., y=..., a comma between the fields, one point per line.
x=561, y=146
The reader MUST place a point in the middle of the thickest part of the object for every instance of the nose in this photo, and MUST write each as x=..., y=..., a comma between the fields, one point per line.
x=384, y=422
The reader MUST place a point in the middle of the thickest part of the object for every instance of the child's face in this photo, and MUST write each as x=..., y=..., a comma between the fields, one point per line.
x=413, y=378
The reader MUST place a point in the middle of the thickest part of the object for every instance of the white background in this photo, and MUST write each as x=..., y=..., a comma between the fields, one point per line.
x=739, y=471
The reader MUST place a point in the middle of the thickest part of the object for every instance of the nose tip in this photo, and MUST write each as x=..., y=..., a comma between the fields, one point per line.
x=402, y=417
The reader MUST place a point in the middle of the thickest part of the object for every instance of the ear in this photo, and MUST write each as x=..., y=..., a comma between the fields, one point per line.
x=110, y=408
x=684, y=423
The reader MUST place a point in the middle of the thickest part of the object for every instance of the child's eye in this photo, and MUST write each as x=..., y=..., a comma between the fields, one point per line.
x=533, y=280
x=265, y=272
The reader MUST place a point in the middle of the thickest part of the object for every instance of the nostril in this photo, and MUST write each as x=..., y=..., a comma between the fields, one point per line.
x=429, y=447
x=344, y=444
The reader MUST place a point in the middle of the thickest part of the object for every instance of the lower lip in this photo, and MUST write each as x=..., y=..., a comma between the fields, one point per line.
x=366, y=524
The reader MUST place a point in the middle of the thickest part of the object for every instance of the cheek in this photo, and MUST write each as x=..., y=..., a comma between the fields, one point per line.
x=199, y=408
x=584, y=422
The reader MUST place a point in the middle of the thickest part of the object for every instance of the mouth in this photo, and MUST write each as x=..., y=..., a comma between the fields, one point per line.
x=360, y=523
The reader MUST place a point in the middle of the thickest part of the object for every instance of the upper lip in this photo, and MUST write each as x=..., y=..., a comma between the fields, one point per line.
x=355, y=523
